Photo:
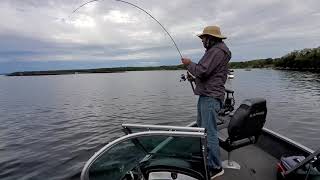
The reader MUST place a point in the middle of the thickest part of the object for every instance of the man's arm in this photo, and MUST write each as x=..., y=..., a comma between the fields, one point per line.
x=206, y=65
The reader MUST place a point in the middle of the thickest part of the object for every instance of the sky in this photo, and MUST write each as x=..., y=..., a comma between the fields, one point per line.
x=46, y=35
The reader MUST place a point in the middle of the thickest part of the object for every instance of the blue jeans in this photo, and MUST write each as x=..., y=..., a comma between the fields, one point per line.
x=208, y=108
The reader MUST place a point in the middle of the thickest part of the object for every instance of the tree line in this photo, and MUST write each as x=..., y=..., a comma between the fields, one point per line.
x=306, y=59
x=99, y=70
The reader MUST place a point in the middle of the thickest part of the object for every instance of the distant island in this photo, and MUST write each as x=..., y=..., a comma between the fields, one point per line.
x=306, y=59
x=99, y=70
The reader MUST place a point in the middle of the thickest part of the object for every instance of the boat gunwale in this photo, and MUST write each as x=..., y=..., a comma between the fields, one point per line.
x=288, y=140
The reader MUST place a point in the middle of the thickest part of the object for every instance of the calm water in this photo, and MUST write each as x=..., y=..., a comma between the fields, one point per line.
x=51, y=125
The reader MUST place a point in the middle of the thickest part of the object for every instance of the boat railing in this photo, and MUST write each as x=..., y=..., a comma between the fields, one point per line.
x=128, y=128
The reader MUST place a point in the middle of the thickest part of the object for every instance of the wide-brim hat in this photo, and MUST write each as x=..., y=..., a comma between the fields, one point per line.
x=212, y=31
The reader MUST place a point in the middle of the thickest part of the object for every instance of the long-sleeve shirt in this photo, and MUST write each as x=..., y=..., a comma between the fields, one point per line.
x=211, y=71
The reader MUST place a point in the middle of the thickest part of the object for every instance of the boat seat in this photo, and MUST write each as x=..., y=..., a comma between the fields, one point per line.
x=244, y=128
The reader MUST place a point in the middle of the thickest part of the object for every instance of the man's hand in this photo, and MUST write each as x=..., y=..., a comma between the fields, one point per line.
x=190, y=77
x=186, y=61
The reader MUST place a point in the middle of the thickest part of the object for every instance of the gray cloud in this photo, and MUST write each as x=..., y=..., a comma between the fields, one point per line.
x=37, y=30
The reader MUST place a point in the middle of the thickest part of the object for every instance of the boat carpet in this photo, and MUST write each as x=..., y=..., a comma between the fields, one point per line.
x=254, y=162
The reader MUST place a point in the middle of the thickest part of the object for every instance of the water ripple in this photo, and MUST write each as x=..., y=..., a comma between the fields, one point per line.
x=50, y=126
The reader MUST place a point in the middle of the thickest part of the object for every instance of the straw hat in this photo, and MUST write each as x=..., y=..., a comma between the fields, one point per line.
x=212, y=31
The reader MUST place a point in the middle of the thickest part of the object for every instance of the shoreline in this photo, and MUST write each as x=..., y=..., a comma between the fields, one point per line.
x=89, y=71
x=125, y=69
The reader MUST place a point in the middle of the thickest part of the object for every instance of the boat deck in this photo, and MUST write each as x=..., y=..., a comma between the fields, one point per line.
x=258, y=161
x=254, y=162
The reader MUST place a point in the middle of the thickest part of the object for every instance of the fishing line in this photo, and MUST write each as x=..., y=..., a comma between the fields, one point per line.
x=83, y=5
x=174, y=43
x=156, y=21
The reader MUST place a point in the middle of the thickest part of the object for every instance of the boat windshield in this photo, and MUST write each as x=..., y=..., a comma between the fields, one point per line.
x=137, y=156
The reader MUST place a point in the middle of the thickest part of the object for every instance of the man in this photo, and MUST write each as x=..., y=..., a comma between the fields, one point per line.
x=210, y=76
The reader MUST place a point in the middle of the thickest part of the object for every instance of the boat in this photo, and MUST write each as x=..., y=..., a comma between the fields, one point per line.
x=230, y=74
x=249, y=150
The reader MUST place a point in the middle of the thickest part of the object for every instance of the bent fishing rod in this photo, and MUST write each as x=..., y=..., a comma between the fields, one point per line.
x=189, y=76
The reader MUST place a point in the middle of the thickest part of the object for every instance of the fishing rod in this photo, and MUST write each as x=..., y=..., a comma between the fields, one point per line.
x=190, y=78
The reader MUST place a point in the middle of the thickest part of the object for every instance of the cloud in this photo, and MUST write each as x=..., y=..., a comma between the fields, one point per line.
x=109, y=31
x=117, y=16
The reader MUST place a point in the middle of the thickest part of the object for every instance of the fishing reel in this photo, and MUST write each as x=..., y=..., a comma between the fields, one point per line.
x=189, y=77
x=183, y=77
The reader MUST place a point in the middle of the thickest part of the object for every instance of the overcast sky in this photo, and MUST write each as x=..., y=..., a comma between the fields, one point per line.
x=42, y=35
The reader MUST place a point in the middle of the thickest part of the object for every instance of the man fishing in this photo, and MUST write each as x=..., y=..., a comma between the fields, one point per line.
x=210, y=76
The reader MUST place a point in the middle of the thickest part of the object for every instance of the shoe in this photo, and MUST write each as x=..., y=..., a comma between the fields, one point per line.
x=213, y=173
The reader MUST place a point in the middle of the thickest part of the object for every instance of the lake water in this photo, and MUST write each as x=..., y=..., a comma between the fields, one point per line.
x=51, y=125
